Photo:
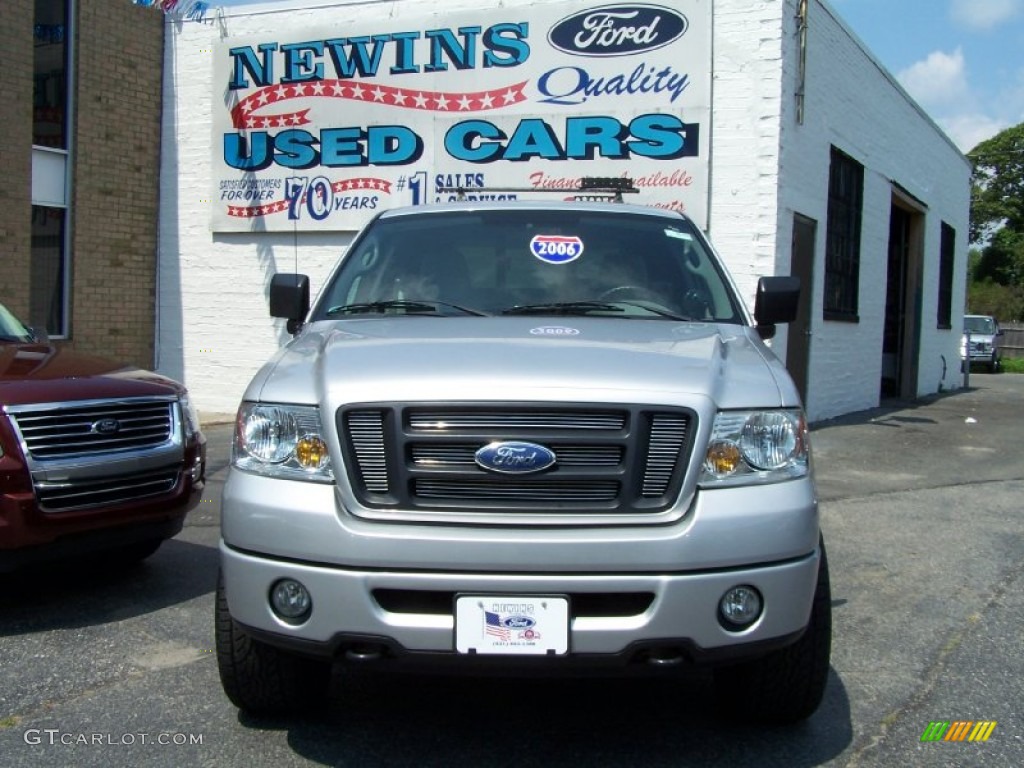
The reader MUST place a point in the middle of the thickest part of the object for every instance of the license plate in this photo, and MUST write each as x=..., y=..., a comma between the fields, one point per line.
x=511, y=624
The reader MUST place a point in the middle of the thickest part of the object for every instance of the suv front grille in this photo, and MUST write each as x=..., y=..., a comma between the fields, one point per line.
x=627, y=459
x=84, y=430
x=79, y=494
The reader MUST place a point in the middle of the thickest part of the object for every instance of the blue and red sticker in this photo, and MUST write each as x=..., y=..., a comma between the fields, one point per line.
x=556, y=249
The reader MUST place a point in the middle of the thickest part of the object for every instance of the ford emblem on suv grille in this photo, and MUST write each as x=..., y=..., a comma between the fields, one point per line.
x=106, y=427
x=514, y=457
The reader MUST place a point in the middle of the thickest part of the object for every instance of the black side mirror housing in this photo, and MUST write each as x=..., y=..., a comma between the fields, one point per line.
x=776, y=302
x=289, y=298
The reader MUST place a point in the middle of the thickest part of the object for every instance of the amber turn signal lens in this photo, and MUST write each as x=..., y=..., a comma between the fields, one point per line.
x=722, y=458
x=311, y=452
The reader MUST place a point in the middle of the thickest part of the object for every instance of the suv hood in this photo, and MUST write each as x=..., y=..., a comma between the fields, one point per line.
x=403, y=359
x=36, y=373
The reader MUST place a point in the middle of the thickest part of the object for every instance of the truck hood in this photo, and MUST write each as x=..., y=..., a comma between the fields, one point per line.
x=39, y=373
x=576, y=359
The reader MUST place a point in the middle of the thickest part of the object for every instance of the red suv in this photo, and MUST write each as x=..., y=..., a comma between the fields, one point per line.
x=96, y=458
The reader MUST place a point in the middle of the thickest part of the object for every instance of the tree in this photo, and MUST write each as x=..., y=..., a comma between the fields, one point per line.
x=997, y=224
x=997, y=198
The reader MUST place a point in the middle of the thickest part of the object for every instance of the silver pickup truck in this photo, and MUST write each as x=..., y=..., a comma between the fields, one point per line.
x=525, y=437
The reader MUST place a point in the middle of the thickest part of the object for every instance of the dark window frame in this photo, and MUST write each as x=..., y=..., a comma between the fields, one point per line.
x=843, y=238
x=947, y=263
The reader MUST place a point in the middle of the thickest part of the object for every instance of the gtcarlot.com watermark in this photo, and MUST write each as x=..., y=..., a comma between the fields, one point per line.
x=55, y=736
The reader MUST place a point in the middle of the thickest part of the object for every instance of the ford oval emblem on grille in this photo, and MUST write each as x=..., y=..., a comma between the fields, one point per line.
x=513, y=457
x=106, y=427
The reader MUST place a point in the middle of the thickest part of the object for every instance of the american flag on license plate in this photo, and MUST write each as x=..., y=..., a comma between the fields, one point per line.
x=492, y=627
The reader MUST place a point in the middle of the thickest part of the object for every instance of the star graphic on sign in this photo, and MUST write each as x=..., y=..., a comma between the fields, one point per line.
x=464, y=102
x=318, y=88
x=338, y=88
x=378, y=94
x=262, y=97
x=442, y=102
x=510, y=96
x=398, y=97
x=486, y=101
x=421, y=101
x=281, y=93
x=357, y=91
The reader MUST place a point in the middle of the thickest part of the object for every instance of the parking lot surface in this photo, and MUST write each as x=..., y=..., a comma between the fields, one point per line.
x=923, y=517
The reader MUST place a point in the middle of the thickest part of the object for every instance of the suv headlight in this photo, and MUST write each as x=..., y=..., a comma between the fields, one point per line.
x=750, y=447
x=281, y=441
x=190, y=416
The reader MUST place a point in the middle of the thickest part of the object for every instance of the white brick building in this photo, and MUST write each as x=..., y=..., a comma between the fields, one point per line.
x=781, y=97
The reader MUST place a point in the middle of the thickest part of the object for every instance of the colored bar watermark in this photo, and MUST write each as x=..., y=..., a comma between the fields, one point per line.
x=958, y=730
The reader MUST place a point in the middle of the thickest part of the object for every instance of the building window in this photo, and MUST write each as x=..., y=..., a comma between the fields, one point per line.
x=48, y=286
x=842, y=241
x=46, y=296
x=944, y=318
x=50, y=91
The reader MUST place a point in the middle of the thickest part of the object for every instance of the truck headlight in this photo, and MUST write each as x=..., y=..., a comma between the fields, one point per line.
x=281, y=441
x=749, y=447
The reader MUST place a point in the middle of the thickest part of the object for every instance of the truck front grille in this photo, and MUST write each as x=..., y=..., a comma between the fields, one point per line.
x=96, y=428
x=627, y=459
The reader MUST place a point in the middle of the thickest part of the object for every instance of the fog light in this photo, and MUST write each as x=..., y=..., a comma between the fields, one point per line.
x=739, y=607
x=196, y=473
x=291, y=601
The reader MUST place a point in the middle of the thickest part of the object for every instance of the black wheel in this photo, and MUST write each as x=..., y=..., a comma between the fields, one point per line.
x=259, y=678
x=787, y=685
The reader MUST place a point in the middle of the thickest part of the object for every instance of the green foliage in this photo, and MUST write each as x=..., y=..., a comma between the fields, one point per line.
x=1012, y=365
x=996, y=284
x=997, y=195
x=1005, y=302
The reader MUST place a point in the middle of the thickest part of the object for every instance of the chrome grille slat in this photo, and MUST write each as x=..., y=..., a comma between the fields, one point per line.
x=668, y=436
x=366, y=431
x=60, y=497
x=473, y=419
x=567, y=492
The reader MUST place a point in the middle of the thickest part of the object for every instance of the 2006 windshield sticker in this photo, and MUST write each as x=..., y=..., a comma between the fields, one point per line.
x=556, y=249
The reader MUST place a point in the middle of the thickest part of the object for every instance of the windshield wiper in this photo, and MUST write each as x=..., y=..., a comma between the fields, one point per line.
x=408, y=305
x=562, y=308
x=656, y=311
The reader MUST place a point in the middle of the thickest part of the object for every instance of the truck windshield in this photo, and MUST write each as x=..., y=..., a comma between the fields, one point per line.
x=983, y=325
x=534, y=261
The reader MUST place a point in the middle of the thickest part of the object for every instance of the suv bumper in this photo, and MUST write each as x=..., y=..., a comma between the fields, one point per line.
x=350, y=610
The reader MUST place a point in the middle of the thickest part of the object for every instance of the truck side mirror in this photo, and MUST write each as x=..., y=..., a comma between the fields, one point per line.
x=776, y=302
x=289, y=298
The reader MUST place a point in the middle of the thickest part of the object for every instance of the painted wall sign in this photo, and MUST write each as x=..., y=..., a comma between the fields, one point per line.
x=321, y=130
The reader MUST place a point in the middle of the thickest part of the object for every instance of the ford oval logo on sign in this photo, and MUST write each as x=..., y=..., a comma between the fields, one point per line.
x=617, y=30
x=514, y=458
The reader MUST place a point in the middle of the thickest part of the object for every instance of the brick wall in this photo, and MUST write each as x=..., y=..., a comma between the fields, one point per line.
x=116, y=179
x=16, y=152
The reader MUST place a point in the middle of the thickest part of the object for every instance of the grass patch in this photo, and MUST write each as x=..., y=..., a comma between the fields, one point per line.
x=1013, y=365
x=9, y=722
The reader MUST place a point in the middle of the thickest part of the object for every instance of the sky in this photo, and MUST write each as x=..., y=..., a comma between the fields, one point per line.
x=961, y=60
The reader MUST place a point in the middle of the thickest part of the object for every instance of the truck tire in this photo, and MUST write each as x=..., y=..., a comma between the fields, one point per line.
x=261, y=679
x=787, y=685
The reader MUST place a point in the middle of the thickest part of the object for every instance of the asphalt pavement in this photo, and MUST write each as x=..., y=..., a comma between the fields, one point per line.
x=923, y=517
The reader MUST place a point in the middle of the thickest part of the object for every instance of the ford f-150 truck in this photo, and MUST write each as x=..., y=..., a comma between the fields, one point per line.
x=525, y=436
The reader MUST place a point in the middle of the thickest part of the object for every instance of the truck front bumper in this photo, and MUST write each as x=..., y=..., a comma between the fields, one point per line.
x=613, y=615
